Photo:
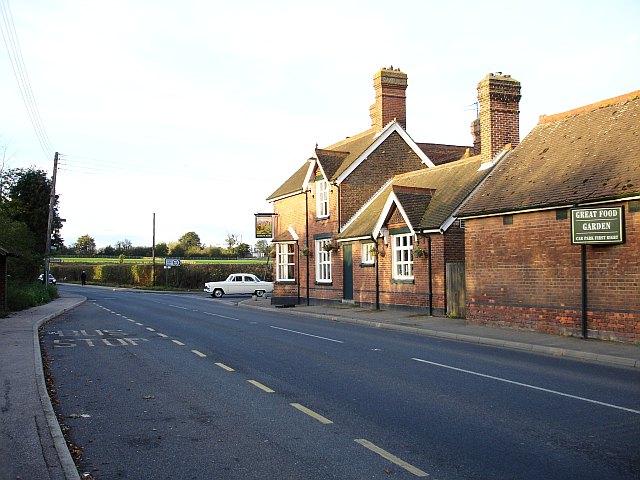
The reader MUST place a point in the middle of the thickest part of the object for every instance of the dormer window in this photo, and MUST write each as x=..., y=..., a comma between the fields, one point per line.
x=322, y=199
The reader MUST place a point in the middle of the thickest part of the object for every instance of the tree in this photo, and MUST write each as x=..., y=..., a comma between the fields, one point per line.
x=85, y=245
x=190, y=240
x=162, y=249
x=243, y=250
x=264, y=247
x=176, y=249
x=29, y=194
x=108, y=250
x=231, y=241
x=123, y=246
x=17, y=237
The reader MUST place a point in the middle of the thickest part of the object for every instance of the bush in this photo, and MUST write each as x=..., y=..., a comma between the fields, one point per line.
x=21, y=297
x=187, y=276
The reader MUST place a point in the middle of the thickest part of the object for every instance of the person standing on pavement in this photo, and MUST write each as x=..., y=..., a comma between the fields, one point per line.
x=83, y=277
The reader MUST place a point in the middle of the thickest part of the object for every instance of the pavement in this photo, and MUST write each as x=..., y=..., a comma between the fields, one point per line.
x=32, y=445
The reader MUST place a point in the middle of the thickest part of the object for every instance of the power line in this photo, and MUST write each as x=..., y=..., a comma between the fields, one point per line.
x=10, y=38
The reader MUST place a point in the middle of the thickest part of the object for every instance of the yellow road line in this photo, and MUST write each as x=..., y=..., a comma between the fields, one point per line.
x=177, y=342
x=311, y=413
x=392, y=458
x=262, y=387
x=224, y=367
x=200, y=354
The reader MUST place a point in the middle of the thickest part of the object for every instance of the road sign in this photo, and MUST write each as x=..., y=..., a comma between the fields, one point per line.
x=171, y=262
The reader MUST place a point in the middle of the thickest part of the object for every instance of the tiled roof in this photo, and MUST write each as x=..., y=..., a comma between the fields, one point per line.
x=434, y=196
x=585, y=155
x=293, y=184
x=353, y=147
x=440, y=154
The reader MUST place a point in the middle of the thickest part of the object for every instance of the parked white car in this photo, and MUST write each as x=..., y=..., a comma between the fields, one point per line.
x=237, y=284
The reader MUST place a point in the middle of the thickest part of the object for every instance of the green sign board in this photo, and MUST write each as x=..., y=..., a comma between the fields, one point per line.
x=597, y=226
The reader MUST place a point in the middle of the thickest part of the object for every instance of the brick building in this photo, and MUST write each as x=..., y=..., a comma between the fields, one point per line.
x=326, y=206
x=522, y=269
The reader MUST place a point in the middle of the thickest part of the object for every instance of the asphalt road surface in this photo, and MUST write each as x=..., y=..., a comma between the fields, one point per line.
x=163, y=386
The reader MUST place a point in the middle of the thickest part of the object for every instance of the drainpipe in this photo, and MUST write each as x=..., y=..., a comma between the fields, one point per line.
x=377, y=277
x=306, y=227
x=430, y=275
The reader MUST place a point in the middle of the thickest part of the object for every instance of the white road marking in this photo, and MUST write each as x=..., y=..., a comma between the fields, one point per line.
x=141, y=324
x=307, y=334
x=150, y=329
x=526, y=385
x=262, y=387
x=178, y=306
x=177, y=342
x=161, y=335
x=198, y=353
x=225, y=367
x=392, y=458
x=221, y=316
x=311, y=413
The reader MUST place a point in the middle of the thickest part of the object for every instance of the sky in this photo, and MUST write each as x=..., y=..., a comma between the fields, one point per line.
x=198, y=110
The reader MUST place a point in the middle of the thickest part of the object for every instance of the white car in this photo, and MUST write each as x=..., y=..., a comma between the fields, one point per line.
x=239, y=283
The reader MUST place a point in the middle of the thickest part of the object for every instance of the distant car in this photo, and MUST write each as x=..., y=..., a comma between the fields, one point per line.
x=237, y=284
x=52, y=279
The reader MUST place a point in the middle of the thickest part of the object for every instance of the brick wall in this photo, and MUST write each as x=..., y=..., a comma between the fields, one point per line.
x=528, y=275
x=391, y=158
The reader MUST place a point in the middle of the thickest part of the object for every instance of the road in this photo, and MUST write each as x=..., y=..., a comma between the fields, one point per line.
x=156, y=386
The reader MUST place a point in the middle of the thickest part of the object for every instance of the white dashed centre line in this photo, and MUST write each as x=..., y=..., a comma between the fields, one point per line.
x=198, y=353
x=178, y=342
x=225, y=367
x=161, y=335
x=150, y=329
x=262, y=387
x=392, y=458
x=311, y=413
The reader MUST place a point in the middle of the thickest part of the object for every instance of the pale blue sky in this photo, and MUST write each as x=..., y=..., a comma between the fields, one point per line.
x=198, y=110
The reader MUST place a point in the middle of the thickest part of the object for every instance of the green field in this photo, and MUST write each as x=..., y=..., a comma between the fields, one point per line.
x=149, y=260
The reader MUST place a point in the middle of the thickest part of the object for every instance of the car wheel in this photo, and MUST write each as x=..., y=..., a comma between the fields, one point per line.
x=259, y=293
x=217, y=293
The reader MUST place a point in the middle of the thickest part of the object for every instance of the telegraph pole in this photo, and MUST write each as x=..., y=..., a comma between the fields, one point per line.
x=52, y=201
x=153, y=253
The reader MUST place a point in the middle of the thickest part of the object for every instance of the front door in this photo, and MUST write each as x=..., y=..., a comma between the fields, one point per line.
x=347, y=265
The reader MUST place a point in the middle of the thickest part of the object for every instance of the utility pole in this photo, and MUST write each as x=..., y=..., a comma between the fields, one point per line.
x=52, y=201
x=153, y=253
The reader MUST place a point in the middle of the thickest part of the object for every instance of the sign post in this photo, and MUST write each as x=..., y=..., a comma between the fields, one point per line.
x=594, y=226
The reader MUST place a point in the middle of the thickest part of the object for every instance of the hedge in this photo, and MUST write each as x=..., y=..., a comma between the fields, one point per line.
x=185, y=277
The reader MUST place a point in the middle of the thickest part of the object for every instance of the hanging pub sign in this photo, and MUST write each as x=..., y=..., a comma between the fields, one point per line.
x=264, y=225
x=597, y=226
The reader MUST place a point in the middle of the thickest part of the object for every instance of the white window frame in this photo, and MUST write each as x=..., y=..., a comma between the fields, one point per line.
x=285, y=262
x=367, y=257
x=322, y=198
x=323, y=262
x=402, y=246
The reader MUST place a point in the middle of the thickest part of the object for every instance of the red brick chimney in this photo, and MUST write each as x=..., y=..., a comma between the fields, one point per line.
x=499, y=99
x=391, y=101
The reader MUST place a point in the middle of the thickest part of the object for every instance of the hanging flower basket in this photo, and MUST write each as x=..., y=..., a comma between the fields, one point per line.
x=419, y=252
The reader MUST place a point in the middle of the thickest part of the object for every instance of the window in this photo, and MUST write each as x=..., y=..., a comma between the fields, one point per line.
x=562, y=214
x=323, y=261
x=368, y=257
x=285, y=266
x=403, y=257
x=322, y=199
x=507, y=220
